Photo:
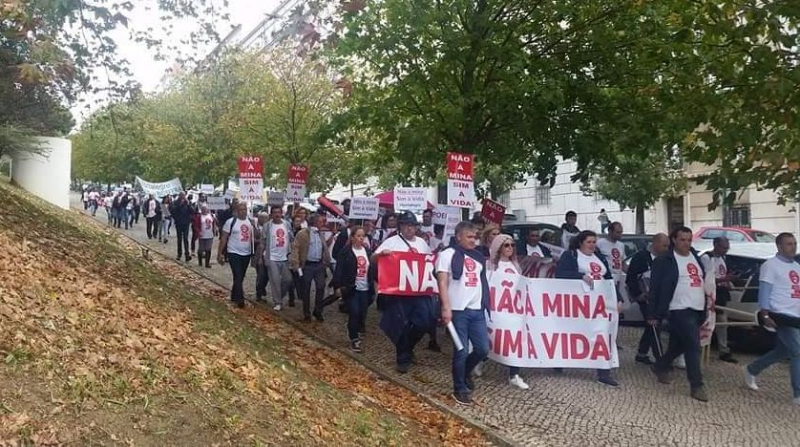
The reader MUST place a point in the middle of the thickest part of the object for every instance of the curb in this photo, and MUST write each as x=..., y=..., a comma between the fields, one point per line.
x=491, y=434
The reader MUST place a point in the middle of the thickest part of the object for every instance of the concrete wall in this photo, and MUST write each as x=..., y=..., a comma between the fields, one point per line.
x=48, y=177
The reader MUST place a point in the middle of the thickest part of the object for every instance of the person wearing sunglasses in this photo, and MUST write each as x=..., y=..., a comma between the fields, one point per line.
x=503, y=259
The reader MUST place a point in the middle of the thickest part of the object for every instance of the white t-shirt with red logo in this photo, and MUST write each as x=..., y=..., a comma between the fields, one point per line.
x=689, y=293
x=240, y=240
x=591, y=265
x=785, y=280
x=206, y=226
x=507, y=267
x=614, y=253
x=466, y=292
x=278, y=242
x=715, y=264
x=362, y=267
x=397, y=243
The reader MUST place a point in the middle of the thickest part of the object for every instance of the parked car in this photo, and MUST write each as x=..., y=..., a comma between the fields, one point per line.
x=734, y=234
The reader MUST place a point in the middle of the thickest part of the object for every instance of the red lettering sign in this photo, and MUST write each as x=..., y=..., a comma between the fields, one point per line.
x=493, y=211
x=406, y=274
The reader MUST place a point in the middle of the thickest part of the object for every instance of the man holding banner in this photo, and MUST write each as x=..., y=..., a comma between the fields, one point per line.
x=408, y=312
x=464, y=292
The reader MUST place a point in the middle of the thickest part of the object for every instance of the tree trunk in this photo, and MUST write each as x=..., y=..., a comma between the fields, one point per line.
x=640, y=219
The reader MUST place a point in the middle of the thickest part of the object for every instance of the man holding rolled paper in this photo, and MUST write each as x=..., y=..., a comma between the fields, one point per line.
x=464, y=293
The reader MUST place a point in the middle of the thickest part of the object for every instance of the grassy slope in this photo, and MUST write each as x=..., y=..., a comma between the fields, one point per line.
x=100, y=346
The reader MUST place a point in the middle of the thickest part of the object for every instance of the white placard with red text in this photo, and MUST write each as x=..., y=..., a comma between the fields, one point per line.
x=251, y=181
x=552, y=323
x=296, y=185
x=460, y=180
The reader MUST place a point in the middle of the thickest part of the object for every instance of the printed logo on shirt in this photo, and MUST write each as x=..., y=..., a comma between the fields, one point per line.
x=616, y=259
x=280, y=237
x=722, y=270
x=244, y=231
x=596, y=269
x=694, y=275
x=361, y=269
x=209, y=223
x=794, y=277
x=470, y=275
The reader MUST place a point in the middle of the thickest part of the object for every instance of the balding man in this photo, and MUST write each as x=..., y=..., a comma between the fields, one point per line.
x=638, y=283
x=714, y=261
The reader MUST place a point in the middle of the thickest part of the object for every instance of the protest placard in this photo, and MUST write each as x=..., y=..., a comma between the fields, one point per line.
x=460, y=180
x=410, y=199
x=216, y=203
x=406, y=274
x=364, y=208
x=552, y=323
x=160, y=189
x=493, y=212
x=251, y=182
x=207, y=188
x=276, y=198
x=449, y=216
x=296, y=184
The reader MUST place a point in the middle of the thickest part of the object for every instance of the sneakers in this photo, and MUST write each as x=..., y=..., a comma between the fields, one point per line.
x=680, y=362
x=750, y=380
x=728, y=357
x=462, y=398
x=470, y=383
x=699, y=394
x=478, y=370
x=796, y=400
x=644, y=359
x=277, y=308
x=663, y=376
x=608, y=380
x=355, y=345
x=403, y=368
x=518, y=382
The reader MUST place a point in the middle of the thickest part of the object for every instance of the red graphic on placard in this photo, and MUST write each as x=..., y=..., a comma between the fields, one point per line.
x=595, y=270
x=250, y=166
x=460, y=166
x=244, y=232
x=298, y=174
x=694, y=275
x=493, y=211
x=616, y=258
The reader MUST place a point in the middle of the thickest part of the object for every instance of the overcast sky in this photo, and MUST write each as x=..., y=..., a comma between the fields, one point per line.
x=145, y=68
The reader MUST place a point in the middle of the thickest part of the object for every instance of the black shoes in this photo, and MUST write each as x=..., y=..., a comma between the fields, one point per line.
x=318, y=317
x=644, y=359
x=728, y=357
x=462, y=398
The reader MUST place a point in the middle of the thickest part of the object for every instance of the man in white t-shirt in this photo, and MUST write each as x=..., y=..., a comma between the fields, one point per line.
x=274, y=249
x=714, y=261
x=208, y=228
x=427, y=224
x=613, y=249
x=779, y=301
x=405, y=320
x=237, y=239
x=677, y=293
x=460, y=271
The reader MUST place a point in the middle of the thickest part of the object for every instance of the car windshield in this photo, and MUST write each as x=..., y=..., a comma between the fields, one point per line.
x=760, y=236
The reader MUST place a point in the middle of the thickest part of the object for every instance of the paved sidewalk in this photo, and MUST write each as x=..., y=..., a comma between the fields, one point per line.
x=572, y=409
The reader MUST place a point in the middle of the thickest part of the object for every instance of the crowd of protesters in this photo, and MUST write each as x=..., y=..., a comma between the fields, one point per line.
x=297, y=253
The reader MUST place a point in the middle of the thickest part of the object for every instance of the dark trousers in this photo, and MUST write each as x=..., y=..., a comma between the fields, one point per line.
x=357, y=305
x=648, y=342
x=312, y=271
x=195, y=237
x=182, y=235
x=239, y=266
x=135, y=215
x=150, y=227
x=293, y=288
x=262, y=279
x=684, y=338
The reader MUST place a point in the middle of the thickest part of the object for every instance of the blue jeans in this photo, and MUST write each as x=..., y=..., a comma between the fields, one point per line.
x=357, y=305
x=470, y=326
x=788, y=346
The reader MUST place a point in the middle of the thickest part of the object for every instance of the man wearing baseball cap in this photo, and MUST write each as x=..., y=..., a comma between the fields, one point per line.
x=405, y=320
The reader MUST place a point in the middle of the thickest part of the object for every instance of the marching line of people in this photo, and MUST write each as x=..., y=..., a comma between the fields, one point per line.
x=289, y=253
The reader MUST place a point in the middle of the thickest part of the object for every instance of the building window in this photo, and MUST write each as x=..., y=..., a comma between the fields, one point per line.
x=542, y=195
x=736, y=216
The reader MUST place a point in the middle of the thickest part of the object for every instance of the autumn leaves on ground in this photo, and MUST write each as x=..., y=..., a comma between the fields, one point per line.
x=102, y=346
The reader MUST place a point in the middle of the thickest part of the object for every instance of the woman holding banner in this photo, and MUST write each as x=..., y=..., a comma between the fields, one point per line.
x=584, y=262
x=353, y=278
x=503, y=259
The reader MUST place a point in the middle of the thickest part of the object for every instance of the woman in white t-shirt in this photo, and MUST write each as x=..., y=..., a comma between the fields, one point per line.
x=584, y=262
x=502, y=258
x=353, y=280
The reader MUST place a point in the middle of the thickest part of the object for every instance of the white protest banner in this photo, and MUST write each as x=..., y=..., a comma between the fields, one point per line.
x=364, y=208
x=207, y=189
x=168, y=188
x=410, y=199
x=216, y=203
x=449, y=216
x=460, y=180
x=276, y=198
x=552, y=323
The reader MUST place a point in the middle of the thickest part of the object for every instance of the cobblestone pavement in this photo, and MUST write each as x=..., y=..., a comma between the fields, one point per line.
x=572, y=409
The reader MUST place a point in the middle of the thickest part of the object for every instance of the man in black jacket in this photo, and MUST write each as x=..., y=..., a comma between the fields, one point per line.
x=677, y=293
x=181, y=211
x=638, y=283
